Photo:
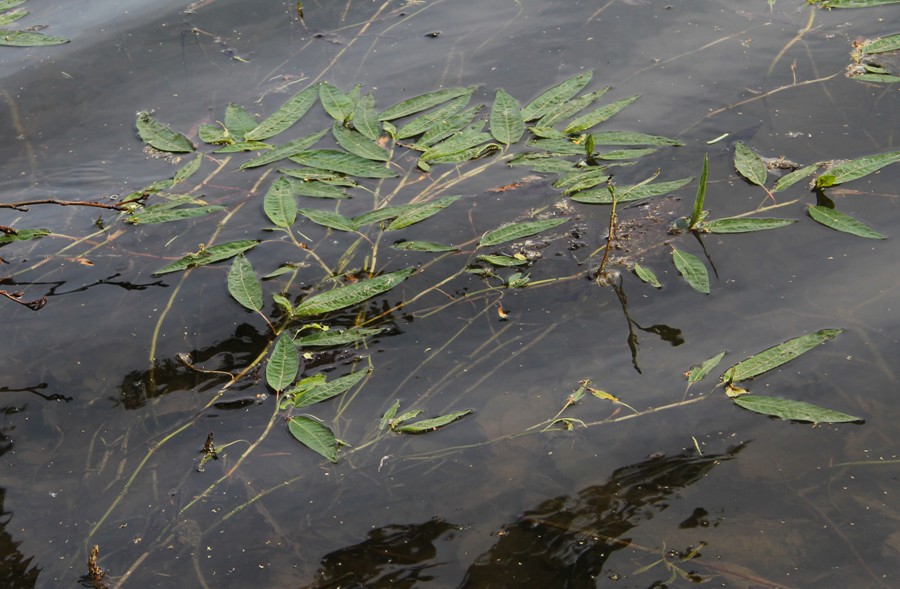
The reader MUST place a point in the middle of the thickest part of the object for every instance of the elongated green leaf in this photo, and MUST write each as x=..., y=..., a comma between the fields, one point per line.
x=700, y=199
x=214, y=134
x=647, y=275
x=427, y=425
x=327, y=390
x=630, y=193
x=29, y=39
x=285, y=151
x=405, y=416
x=336, y=337
x=317, y=189
x=882, y=45
x=563, y=147
x=597, y=116
x=699, y=372
x=420, y=103
x=287, y=114
x=358, y=144
x=365, y=119
x=749, y=164
x=792, y=178
x=424, y=246
x=382, y=214
x=389, y=415
x=161, y=137
x=855, y=169
x=793, y=410
x=329, y=219
x=421, y=212
x=456, y=157
x=570, y=108
x=582, y=179
x=842, y=222
x=458, y=143
x=244, y=146
x=629, y=138
x=188, y=170
x=238, y=121
x=12, y=16
x=625, y=154
x=283, y=365
x=243, y=284
x=152, y=215
x=315, y=436
x=854, y=3
x=7, y=4
x=280, y=204
x=343, y=162
x=347, y=296
x=692, y=269
x=335, y=102
x=428, y=120
x=542, y=163
x=452, y=125
x=777, y=355
x=878, y=78
x=503, y=261
x=507, y=125
x=22, y=235
x=555, y=96
x=518, y=230
x=729, y=225
x=208, y=255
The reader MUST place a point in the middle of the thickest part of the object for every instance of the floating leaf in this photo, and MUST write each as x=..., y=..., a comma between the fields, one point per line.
x=283, y=365
x=563, y=147
x=506, y=121
x=793, y=410
x=699, y=372
x=187, y=170
x=852, y=3
x=420, y=103
x=581, y=179
x=424, y=246
x=749, y=164
x=456, y=157
x=336, y=337
x=317, y=189
x=457, y=143
x=327, y=390
x=445, y=129
x=629, y=138
x=777, y=355
x=329, y=219
x=244, y=146
x=503, y=261
x=882, y=45
x=842, y=222
x=692, y=269
x=555, y=96
x=382, y=214
x=792, y=178
x=214, y=134
x=358, y=144
x=7, y=4
x=365, y=119
x=29, y=39
x=427, y=425
x=315, y=436
x=285, y=151
x=335, y=102
x=624, y=154
x=855, y=169
x=542, y=162
x=208, y=255
x=162, y=214
x=161, y=137
x=287, y=114
x=22, y=235
x=429, y=120
x=647, y=275
x=12, y=16
x=518, y=230
x=279, y=203
x=346, y=296
x=389, y=415
x=243, y=284
x=596, y=117
x=343, y=162
x=570, y=108
x=741, y=225
x=630, y=193
x=420, y=212
x=238, y=121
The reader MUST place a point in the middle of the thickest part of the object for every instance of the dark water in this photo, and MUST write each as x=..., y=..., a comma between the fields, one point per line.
x=103, y=425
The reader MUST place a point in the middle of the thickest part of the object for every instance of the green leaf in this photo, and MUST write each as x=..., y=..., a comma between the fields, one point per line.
x=542, y=163
x=208, y=255
x=731, y=225
x=699, y=372
x=29, y=39
x=279, y=203
x=365, y=119
x=22, y=235
x=506, y=123
x=455, y=157
x=422, y=102
x=700, y=199
x=749, y=165
x=405, y=416
x=563, y=147
x=429, y=120
x=518, y=230
x=188, y=170
x=879, y=78
x=335, y=102
x=424, y=246
x=7, y=4
x=347, y=296
x=624, y=154
x=457, y=143
x=161, y=137
x=582, y=179
x=12, y=16
x=853, y=3
x=238, y=121
x=596, y=117
x=214, y=134
x=503, y=261
x=881, y=45
x=629, y=138
x=555, y=96
x=427, y=425
x=630, y=192
x=842, y=222
x=287, y=150
x=389, y=415
x=444, y=129
x=692, y=269
x=792, y=178
x=162, y=214
x=327, y=390
x=647, y=275
x=358, y=144
x=420, y=212
x=336, y=337
x=570, y=108
x=792, y=410
x=329, y=219
x=287, y=114
x=283, y=365
x=777, y=355
x=343, y=162
x=315, y=436
x=382, y=214
x=855, y=169
x=243, y=284
x=244, y=146
x=317, y=189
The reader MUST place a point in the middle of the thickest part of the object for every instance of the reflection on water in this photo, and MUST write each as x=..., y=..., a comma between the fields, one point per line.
x=106, y=408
